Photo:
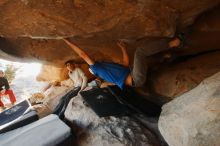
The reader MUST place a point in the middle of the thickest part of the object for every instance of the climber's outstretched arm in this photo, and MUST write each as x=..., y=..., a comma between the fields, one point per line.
x=124, y=53
x=80, y=52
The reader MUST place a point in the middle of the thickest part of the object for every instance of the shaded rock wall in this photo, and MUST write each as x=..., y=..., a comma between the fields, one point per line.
x=183, y=76
x=189, y=10
x=56, y=52
x=204, y=33
x=31, y=30
x=68, y=18
x=27, y=26
x=197, y=61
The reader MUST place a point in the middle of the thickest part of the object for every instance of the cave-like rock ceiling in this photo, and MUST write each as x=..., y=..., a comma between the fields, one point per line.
x=33, y=29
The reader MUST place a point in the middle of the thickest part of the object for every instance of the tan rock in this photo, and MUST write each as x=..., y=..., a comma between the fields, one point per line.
x=65, y=18
x=31, y=29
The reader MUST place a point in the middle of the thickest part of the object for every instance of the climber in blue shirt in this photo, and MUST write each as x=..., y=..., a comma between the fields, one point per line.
x=118, y=74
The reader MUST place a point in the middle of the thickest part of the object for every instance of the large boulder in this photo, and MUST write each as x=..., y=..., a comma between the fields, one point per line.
x=117, y=19
x=66, y=18
x=32, y=29
x=193, y=119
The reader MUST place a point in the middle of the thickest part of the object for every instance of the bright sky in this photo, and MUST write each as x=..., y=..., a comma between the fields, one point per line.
x=25, y=69
x=25, y=82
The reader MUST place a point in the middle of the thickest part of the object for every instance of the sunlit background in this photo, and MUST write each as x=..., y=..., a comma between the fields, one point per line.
x=24, y=83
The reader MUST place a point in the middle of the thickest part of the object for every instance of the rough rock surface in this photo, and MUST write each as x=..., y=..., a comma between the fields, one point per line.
x=180, y=77
x=66, y=18
x=53, y=73
x=204, y=34
x=93, y=24
x=190, y=65
x=30, y=30
x=193, y=119
x=208, y=21
x=121, y=19
x=189, y=10
x=109, y=131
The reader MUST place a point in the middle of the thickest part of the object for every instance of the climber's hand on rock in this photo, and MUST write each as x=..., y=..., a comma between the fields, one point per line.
x=121, y=44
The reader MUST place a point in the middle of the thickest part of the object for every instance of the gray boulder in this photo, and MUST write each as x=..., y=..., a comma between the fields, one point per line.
x=193, y=119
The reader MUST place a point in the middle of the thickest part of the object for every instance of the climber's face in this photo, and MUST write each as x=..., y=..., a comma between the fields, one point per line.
x=70, y=66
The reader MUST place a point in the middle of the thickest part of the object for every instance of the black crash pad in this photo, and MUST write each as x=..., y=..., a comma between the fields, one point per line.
x=103, y=102
x=14, y=112
x=136, y=101
x=29, y=117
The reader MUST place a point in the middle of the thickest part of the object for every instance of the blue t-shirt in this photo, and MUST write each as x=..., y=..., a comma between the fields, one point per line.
x=111, y=72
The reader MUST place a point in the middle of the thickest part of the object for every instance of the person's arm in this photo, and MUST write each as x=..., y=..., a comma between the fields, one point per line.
x=80, y=52
x=124, y=53
x=84, y=78
x=46, y=87
x=6, y=84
